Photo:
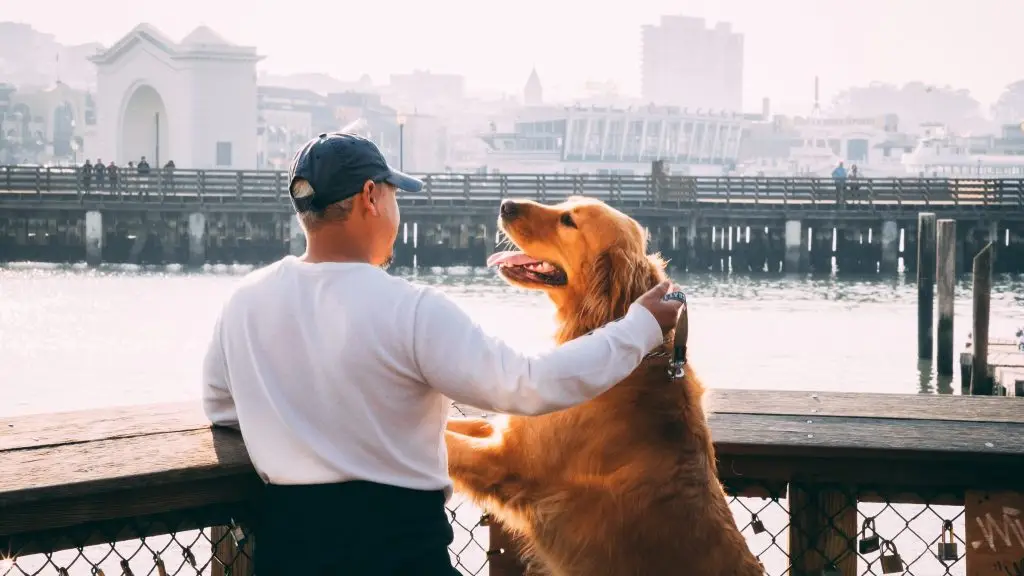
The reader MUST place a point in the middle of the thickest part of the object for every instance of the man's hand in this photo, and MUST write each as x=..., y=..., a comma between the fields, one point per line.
x=666, y=312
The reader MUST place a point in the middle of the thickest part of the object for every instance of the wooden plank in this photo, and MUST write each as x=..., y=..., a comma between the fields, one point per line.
x=75, y=469
x=39, y=430
x=118, y=464
x=864, y=405
x=995, y=533
x=837, y=437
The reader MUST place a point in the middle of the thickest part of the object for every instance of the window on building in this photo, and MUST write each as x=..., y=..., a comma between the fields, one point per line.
x=223, y=153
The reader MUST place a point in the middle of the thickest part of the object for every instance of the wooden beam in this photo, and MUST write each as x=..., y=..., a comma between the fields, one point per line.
x=925, y=285
x=981, y=382
x=946, y=276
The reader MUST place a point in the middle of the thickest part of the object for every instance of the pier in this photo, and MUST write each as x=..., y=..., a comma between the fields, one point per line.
x=701, y=224
x=820, y=483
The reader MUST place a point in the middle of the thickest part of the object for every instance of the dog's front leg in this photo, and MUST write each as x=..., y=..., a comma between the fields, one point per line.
x=475, y=427
x=483, y=469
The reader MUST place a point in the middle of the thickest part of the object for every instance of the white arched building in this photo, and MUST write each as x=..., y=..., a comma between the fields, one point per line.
x=192, y=101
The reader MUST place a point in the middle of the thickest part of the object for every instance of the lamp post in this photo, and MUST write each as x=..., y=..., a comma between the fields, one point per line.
x=401, y=143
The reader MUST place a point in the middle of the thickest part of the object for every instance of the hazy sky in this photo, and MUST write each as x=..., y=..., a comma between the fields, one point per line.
x=494, y=44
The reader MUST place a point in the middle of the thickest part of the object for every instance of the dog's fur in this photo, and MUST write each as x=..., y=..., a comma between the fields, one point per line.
x=624, y=484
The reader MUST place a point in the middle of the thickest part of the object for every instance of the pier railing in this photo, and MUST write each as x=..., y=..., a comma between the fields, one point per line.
x=269, y=189
x=821, y=484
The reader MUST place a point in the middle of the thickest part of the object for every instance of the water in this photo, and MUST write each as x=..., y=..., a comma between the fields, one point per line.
x=74, y=338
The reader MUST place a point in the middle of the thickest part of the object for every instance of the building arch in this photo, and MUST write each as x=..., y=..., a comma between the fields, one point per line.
x=143, y=126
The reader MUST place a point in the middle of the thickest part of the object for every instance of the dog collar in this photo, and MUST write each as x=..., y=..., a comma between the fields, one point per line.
x=677, y=366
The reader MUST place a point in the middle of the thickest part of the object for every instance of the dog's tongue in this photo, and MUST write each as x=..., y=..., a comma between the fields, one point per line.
x=512, y=258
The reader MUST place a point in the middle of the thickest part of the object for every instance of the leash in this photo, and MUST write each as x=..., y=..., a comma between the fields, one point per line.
x=677, y=366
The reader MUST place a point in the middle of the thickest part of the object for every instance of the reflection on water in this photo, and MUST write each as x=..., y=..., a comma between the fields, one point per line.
x=73, y=337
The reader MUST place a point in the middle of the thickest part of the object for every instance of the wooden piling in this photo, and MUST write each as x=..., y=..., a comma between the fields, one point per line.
x=925, y=284
x=981, y=384
x=945, y=263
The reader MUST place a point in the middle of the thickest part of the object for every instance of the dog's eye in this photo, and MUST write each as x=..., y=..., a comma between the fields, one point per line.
x=567, y=220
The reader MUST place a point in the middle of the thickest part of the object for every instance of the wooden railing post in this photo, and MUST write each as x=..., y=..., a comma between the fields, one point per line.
x=822, y=531
x=504, y=556
x=227, y=559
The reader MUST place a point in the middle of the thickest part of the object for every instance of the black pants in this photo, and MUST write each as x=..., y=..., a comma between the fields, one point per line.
x=352, y=529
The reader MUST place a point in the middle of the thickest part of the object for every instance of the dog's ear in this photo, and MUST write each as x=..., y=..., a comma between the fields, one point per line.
x=617, y=279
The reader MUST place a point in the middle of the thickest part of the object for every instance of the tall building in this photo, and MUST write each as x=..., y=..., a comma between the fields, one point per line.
x=687, y=64
x=533, y=93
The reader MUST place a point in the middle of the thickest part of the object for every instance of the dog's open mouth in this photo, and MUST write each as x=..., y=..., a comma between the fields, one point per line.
x=520, y=267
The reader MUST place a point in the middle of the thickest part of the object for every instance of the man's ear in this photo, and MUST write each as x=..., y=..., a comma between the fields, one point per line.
x=368, y=197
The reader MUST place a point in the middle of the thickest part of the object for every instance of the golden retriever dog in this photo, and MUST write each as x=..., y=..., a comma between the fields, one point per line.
x=625, y=484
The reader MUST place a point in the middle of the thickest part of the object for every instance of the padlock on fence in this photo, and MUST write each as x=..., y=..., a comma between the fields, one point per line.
x=831, y=570
x=160, y=569
x=756, y=525
x=869, y=540
x=189, y=557
x=126, y=569
x=237, y=534
x=946, y=548
x=891, y=561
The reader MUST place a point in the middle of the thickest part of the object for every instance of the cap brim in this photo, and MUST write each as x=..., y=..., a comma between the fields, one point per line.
x=404, y=182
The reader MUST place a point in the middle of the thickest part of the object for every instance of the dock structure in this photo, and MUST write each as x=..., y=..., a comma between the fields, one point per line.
x=701, y=224
x=1004, y=364
x=819, y=483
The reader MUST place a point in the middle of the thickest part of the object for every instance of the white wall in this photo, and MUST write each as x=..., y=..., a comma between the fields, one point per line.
x=223, y=98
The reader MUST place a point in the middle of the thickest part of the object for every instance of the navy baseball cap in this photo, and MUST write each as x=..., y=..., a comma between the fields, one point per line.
x=337, y=165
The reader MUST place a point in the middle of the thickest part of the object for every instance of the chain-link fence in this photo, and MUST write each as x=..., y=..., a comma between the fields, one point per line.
x=829, y=534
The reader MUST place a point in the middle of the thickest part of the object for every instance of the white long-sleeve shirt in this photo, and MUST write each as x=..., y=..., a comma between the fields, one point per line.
x=339, y=371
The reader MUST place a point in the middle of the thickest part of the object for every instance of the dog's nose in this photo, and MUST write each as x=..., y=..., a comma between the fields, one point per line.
x=509, y=209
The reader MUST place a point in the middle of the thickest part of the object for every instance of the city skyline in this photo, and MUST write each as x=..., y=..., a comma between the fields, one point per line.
x=787, y=42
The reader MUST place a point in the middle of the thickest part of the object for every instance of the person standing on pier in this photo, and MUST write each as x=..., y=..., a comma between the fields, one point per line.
x=839, y=177
x=86, y=172
x=337, y=375
x=112, y=175
x=100, y=171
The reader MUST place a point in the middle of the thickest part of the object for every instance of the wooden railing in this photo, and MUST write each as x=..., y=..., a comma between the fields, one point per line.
x=807, y=472
x=56, y=185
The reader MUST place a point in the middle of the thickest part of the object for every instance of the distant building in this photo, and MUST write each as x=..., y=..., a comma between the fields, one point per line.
x=289, y=117
x=615, y=141
x=689, y=65
x=192, y=101
x=427, y=92
x=45, y=126
x=533, y=92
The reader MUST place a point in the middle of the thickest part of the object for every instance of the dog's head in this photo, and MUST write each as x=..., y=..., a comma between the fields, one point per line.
x=588, y=257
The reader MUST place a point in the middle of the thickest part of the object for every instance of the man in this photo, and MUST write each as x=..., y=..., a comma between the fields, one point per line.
x=336, y=374
x=839, y=177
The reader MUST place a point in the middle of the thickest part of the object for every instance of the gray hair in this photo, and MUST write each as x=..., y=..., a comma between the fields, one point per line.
x=337, y=212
